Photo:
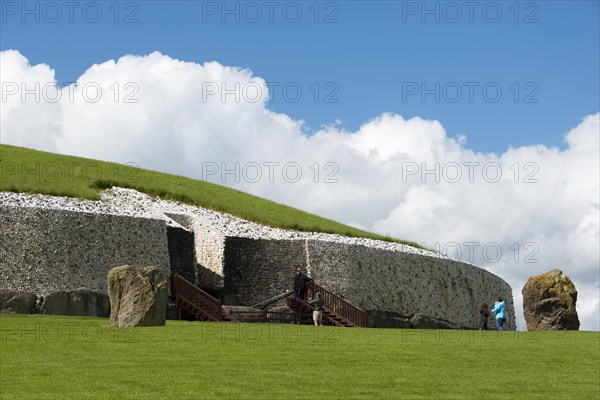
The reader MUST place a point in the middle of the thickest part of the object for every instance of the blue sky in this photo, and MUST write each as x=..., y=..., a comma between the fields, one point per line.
x=366, y=58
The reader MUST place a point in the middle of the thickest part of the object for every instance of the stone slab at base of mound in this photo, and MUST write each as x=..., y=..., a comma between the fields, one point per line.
x=422, y=321
x=138, y=296
x=282, y=314
x=80, y=302
x=389, y=319
x=246, y=314
x=16, y=302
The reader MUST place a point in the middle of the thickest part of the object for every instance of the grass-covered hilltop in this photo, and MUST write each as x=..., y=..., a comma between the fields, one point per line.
x=37, y=172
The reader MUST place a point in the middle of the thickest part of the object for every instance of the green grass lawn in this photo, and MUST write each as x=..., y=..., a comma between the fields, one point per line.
x=50, y=357
x=32, y=171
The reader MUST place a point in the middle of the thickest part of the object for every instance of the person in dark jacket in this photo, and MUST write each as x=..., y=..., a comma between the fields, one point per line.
x=484, y=315
x=300, y=284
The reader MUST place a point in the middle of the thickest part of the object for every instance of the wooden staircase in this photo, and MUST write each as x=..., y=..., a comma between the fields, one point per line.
x=202, y=305
x=336, y=310
x=302, y=307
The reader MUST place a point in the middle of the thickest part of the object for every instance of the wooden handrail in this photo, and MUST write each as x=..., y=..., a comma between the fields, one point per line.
x=340, y=306
x=198, y=299
x=302, y=305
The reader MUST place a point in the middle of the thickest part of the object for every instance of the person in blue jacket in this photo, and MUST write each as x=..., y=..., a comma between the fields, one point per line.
x=500, y=311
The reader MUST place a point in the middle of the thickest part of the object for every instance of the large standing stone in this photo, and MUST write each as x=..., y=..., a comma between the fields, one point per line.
x=78, y=302
x=138, y=296
x=549, y=302
x=16, y=302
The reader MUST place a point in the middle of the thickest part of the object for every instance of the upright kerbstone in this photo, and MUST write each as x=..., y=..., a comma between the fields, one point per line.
x=138, y=296
x=79, y=302
x=16, y=302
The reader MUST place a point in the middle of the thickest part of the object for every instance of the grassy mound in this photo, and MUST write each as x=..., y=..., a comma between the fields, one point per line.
x=51, y=357
x=32, y=171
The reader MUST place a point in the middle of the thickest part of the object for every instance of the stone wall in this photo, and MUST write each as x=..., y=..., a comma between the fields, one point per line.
x=407, y=283
x=44, y=251
x=373, y=279
x=210, y=253
x=256, y=270
x=182, y=257
x=209, y=247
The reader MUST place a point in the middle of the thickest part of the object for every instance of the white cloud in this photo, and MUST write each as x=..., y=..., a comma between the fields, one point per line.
x=394, y=176
x=22, y=107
